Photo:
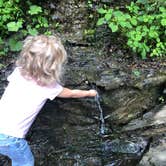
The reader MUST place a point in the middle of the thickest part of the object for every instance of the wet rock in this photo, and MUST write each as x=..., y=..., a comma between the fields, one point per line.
x=151, y=81
x=157, y=153
x=80, y=120
x=125, y=146
x=109, y=81
x=69, y=14
x=154, y=118
x=4, y=161
x=125, y=96
x=93, y=161
x=122, y=146
x=123, y=105
x=55, y=141
x=153, y=124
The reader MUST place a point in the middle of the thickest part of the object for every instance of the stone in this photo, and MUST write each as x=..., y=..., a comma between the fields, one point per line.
x=156, y=155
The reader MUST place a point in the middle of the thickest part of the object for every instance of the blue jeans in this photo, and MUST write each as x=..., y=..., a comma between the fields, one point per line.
x=17, y=149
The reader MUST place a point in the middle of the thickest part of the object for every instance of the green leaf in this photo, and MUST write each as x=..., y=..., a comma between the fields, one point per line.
x=133, y=21
x=163, y=22
x=1, y=3
x=136, y=43
x=128, y=25
x=162, y=9
x=100, y=21
x=1, y=41
x=146, y=47
x=108, y=16
x=1, y=64
x=143, y=54
x=126, y=16
x=137, y=73
x=102, y=11
x=125, y=24
x=110, y=11
x=113, y=27
x=34, y=9
x=32, y=31
x=14, y=26
x=43, y=21
x=118, y=14
x=138, y=28
x=122, y=23
x=140, y=18
x=145, y=18
x=153, y=34
x=129, y=42
x=138, y=37
x=120, y=18
x=48, y=33
x=15, y=45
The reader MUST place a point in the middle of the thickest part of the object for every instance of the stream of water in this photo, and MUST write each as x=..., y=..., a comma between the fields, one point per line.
x=116, y=146
x=101, y=118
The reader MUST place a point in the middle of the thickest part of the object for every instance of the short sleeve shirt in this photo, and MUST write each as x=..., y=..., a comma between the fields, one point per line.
x=21, y=102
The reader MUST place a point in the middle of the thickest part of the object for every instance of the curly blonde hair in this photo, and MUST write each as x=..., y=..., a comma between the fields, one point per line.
x=42, y=59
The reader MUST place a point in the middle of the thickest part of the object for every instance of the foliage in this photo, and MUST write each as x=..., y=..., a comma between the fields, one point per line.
x=21, y=18
x=136, y=73
x=161, y=99
x=143, y=23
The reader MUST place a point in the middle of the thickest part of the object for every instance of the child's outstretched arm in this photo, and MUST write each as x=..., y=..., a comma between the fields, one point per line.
x=77, y=93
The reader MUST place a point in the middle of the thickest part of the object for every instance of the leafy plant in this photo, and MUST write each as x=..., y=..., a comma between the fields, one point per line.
x=15, y=45
x=14, y=26
x=161, y=99
x=21, y=19
x=38, y=21
x=143, y=23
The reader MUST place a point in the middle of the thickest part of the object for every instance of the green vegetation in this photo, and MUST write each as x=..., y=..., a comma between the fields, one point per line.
x=161, y=99
x=17, y=20
x=136, y=73
x=143, y=23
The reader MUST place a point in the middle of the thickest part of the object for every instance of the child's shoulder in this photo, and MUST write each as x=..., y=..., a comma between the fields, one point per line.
x=14, y=73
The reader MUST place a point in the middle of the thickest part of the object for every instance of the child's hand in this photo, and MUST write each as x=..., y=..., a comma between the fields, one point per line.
x=92, y=93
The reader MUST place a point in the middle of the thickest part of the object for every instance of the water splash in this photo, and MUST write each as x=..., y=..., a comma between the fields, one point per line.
x=102, y=121
x=124, y=146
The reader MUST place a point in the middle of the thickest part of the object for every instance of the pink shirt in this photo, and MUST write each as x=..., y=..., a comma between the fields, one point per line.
x=21, y=102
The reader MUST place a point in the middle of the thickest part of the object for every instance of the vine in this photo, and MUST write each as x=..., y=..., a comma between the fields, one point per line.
x=143, y=23
x=18, y=20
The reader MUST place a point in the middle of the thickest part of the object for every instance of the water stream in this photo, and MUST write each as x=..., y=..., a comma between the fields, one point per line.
x=101, y=118
x=116, y=145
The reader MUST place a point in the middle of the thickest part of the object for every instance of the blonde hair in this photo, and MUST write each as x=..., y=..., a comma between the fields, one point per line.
x=41, y=59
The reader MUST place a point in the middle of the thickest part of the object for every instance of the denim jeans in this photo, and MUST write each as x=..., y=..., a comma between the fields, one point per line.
x=17, y=149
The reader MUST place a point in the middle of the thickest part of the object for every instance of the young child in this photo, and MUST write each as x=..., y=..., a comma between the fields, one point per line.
x=35, y=79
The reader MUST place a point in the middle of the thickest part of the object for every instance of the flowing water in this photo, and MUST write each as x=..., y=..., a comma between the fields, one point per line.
x=101, y=116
